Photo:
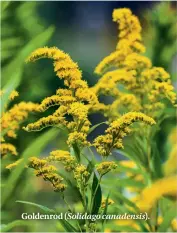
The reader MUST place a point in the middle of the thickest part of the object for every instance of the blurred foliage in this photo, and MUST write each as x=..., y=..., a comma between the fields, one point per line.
x=161, y=34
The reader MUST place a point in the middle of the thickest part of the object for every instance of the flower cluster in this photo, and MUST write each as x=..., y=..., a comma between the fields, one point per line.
x=76, y=100
x=105, y=167
x=81, y=174
x=11, y=120
x=64, y=157
x=117, y=130
x=149, y=85
x=47, y=172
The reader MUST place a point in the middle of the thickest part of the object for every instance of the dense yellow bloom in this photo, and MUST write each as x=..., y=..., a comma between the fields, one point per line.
x=47, y=172
x=137, y=62
x=13, y=94
x=64, y=157
x=162, y=187
x=127, y=119
x=129, y=25
x=55, y=100
x=86, y=95
x=149, y=85
x=129, y=40
x=37, y=163
x=108, y=82
x=117, y=130
x=77, y=100
x=79, y=138
x=44, y=122
x=7, y=148
x=10, y=123
x=105, y=167
x=81, y=174
x=78, y=111
x=11, y=119
x=63, y=65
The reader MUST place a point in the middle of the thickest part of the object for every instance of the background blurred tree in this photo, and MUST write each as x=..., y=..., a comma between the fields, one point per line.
x=161, y=34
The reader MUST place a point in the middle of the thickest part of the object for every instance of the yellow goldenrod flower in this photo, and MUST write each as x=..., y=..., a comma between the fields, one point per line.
x=78, y=110
x=86, y=95
x=64, y=157
x=47, y=172
x=7, y=148
x=137, y=62
x=63, y=65
x=37, y=163
x=11, y=120
x=64, y=92
x=149, y=85
x=55, y=100
x=113, y=60
x=12, y=165
x=128, y=23
x=109, y=81
x=130, y=37
x=76, y=101
x=45, y=122
x=117, y=130
x=162, y=187
x=79, y=138
x=105, y=167
x=81, y=173
x=13, y=94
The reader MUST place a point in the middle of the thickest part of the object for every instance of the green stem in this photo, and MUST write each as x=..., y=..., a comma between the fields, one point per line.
x=93, y=196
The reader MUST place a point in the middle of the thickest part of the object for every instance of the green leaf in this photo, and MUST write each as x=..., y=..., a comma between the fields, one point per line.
x=44, y=208
x=9, y=87
x=168, y=217
x=124, y=169
x=129, y=182
x=18, y=62
x=35, y=147
x=95, y=126
x=96, y=195
x=90, y=169
x=67, y=226
x=13, y=224
x=75, y=151
x=4, y=5
x=126, y=201
x=156, y=162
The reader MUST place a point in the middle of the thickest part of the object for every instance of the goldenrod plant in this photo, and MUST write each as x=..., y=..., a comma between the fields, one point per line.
x=140, y=188
x=11, y=120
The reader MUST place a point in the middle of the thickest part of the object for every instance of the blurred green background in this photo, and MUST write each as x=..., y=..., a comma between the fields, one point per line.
x=84, y=30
